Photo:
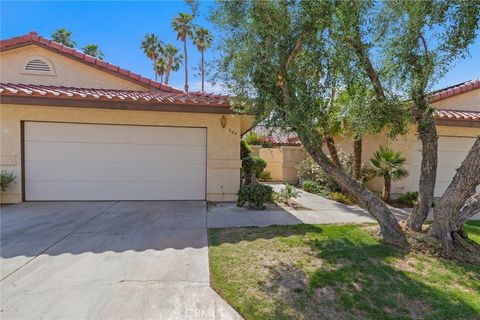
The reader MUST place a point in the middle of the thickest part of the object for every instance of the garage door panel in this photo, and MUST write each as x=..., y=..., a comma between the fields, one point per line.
x=93, y=133
x=61, y=163
x=104, y=190
x=91, y=171
x=59, y=151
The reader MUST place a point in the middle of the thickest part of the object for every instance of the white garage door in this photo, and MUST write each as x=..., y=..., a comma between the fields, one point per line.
x=451, y=153
x=65, y=161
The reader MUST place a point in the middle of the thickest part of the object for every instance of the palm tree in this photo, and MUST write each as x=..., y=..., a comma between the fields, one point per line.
x=63, y=36
x=152, y=47
x=161, y=67
x=174, y=60
x=203, y=41
x=93, y=50
x=182, y=25
x=387, y=164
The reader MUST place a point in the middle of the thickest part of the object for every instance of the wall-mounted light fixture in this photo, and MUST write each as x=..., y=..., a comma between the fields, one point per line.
x=223, y=121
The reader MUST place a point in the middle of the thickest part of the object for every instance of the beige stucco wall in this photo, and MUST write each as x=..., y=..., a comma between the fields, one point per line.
x=68, y=71
x=223, y=151
x=281, y=161
x=466, y=101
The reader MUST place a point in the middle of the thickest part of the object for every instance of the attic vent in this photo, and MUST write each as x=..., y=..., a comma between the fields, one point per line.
x=38, y=65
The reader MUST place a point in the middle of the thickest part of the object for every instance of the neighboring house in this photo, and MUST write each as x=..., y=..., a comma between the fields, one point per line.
x=457, y=119
x=77, y=128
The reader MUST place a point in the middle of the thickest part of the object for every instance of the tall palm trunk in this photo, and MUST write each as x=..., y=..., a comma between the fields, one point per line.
x=169, y=68
x=357, y=157
x=155, y=69
x=186, y=63
x=332, y=149
x=387, y=186
x=203, y=72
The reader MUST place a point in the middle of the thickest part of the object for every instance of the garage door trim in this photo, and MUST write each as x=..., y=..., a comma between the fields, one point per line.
x=22, y=147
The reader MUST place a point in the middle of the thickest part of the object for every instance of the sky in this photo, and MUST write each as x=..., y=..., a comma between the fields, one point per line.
x=118, y=27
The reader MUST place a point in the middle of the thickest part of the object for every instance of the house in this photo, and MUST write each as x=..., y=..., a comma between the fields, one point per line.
x=457, y=118
x=74, y=127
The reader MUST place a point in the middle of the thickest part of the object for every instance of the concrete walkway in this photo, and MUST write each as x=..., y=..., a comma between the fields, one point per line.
x=321, y=211
x=107, y=260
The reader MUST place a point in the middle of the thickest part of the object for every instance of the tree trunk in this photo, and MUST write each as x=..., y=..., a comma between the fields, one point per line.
x=155, y=69
x=332, y=149
x=186, y=63
x=428, y=169
x=454, y=207
x=168, y=70
x=203, y=72
x=357, y=157
x=387, y=186
x=390, y=229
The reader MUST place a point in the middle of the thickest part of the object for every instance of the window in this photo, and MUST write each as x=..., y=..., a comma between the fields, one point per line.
x=38, y=65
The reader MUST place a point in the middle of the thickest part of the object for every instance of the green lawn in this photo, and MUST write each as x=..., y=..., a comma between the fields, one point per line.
x=337, y=272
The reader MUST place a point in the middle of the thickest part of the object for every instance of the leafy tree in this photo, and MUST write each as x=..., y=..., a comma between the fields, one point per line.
x=418, y=41
x=94, y=51
x=174, y=60
x=152, y=47
x=388, y=165
x=203, y=41
x=277, y=61
x=161, y=67
x=64, y=37
x=183, y=26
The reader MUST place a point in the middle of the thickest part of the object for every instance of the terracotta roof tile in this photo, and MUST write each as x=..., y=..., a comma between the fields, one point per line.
x=33, y=38
x=457, y=115
x=152, y=96
x=454, y=90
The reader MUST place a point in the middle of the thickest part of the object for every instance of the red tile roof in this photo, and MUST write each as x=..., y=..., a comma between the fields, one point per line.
x=152, y=97
x=457, y=115
x=34, y=38
x=277, y=136
x=454, y=90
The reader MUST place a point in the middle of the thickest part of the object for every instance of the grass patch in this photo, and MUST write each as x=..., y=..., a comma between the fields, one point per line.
x=473, y=230
x=337, y=272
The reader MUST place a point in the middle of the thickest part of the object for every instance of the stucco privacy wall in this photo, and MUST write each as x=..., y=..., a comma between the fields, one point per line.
x=69, y=73
x=223, y=150
x=281, y=161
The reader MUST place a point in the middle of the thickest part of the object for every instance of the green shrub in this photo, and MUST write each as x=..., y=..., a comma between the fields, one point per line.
x=308, y=169
x=245, y=149
x=265, y=176
x=408, y=199
x=254, y=195
x=252, y=138
x=6, y=178
x=314, y=187
x=252, y=164
x=286, y=194
x=341, y=197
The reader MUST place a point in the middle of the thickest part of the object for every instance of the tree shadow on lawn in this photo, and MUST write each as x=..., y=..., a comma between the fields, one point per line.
x=354, y=277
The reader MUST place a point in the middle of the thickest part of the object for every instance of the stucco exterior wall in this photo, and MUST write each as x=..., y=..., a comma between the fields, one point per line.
x=223, y=148
x=281, y=161
x=69, y=73
x=469, y=101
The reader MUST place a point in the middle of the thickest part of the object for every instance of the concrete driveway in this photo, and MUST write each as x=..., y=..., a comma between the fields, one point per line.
x=107, y=260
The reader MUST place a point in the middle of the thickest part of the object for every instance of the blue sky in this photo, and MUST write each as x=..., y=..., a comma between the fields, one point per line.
x=119, y=26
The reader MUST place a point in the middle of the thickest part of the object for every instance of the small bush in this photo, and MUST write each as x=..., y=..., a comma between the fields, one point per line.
x=342, y=198
x=6, y=178
x=252, y=138
x=255, y=195
x=408, y=199
x=252, y=164
x=265, y=176
x=314, y=187
x=245, y=149
x=286, y=194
